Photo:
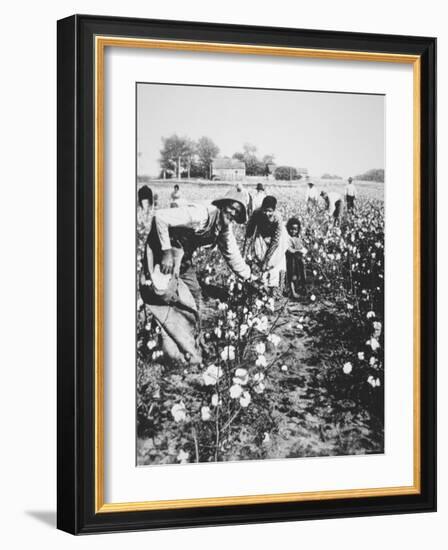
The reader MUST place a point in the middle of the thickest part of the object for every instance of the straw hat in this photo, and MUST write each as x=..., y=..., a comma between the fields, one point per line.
x=234, y=196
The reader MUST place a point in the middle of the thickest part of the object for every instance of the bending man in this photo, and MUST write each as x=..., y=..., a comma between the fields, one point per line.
x=170, y=286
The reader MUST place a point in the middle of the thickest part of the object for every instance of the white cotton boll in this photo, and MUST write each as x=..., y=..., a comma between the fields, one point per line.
x=235, y=391
x=212, y=375
x=183, y=457
x=179, y=412
x=205, y=413
x=241, y=377
x=260, y=348
x=228, y=353
x=245, y=399
x=215, y=400
x=347, y=368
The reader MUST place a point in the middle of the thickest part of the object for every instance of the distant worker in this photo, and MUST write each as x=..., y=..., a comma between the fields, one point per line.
x=258, y=196
x=245, y=197
x=146, y=202
x=333, y=204
x=350, y=194
x=175, y=197
x=311, y=194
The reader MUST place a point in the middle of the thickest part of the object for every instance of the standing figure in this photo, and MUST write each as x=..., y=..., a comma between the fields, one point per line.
x=245, y=197
x=175, y=197
x=268, y=240
x=295, y=268
x=258, y=196
x=311, y=195
x=333, y=204
x=169, y=284
x=350, y=194
x=145, y=202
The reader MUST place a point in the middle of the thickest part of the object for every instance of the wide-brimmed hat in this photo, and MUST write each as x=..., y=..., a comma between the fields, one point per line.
x=234, y=196
x=260, y=187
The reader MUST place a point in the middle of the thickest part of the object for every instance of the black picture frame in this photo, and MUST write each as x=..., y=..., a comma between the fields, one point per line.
x=76, y=259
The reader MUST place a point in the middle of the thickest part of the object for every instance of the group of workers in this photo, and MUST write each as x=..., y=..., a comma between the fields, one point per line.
x=169, y=284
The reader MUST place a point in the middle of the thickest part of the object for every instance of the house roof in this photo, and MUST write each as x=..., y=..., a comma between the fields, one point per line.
x=228, y=163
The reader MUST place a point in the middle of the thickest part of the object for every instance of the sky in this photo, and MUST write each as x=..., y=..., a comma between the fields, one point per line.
x=335, y=133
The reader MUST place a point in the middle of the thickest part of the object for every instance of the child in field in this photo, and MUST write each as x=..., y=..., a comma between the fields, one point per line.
x=295, y=269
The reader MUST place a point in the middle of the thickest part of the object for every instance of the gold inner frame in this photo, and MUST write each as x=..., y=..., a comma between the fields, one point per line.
x=101, y=42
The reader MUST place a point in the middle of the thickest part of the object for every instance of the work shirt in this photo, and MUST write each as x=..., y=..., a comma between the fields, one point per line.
x=257, y=199
x=295, y=244
x=175, y=198
x=199, y=225
x=312, y=193
x=350, y=190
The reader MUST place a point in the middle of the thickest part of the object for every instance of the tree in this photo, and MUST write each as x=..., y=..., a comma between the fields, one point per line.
x=189, y=154
x=268, y=159
x=176, y=153
x=238, y=156
x=375, y=174
x=285, y=173
x=206, y=151
x=254, y=166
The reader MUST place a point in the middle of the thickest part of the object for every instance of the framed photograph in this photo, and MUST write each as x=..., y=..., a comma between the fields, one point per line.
x=246, y=274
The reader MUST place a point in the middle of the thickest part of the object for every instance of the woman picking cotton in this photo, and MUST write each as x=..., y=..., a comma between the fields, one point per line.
x=267, y=241
x=169, y=284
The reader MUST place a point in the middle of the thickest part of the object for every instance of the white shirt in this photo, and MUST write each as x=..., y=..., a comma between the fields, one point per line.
x=257, y=199
x=312, y=193
x=350, y=190
x=197, y=217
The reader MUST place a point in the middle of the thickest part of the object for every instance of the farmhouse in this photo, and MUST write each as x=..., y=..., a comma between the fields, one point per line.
x=226, y=169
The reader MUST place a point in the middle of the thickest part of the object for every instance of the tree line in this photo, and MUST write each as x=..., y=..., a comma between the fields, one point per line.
x=181, y=155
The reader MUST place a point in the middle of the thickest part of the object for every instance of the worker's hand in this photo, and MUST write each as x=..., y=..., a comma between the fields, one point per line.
x=167, y=262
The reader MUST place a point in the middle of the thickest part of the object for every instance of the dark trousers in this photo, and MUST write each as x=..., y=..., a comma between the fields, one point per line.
x=350, y=202
x=295, y=269
x=189, y=277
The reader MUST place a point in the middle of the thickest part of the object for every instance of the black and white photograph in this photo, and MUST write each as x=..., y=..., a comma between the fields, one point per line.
x=259, y=273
